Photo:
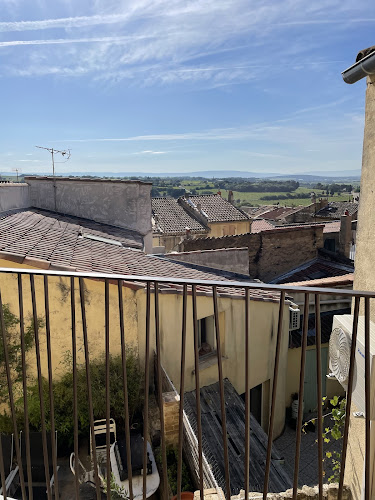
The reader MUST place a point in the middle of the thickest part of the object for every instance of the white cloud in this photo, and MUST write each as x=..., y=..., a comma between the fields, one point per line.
x=148, y=42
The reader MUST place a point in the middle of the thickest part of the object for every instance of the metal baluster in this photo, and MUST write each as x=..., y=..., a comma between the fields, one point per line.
x=51, y=401
x=222, y=395
x=274, y=392
x=24, y=387
x=182, y=389
x=300, y=395
x=107, y=391
x=349, y=397
x=88, y=383
x=367, y=398
x=247, y=393
x=147, y=377
x=318, y=342
x=125, y=379
x=197, y=391
x=75, y=391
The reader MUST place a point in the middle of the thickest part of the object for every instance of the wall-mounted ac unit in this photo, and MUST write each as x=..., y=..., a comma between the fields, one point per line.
x=339, y=358
x=294, y=318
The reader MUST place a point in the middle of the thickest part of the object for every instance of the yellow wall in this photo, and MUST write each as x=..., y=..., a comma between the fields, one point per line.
x=60, y=316
x=263, y=328
x=218, y=229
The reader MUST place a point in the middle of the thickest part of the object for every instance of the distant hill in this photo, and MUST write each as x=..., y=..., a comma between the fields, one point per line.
x=318, y=176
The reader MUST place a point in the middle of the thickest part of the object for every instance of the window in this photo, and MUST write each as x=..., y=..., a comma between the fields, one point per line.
x=206, y=336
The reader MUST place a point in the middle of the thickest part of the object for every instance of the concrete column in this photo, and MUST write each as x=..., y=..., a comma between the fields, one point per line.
x=171, y=408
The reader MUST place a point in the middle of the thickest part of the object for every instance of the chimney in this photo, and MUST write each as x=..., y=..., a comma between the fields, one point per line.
x=230, y=197
x=199, y=207
x=188, y=233
x=345, y=237
x=219, y=193
x=125, y=204
x=313, y=197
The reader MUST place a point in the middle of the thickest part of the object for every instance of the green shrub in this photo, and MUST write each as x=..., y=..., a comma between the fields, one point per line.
x=63, y=398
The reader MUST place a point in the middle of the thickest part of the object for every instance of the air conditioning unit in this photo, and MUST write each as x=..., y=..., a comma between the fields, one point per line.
x=339, y=358
x=294, y=318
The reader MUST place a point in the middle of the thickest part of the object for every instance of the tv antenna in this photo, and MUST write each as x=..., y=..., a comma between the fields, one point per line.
x=64, y=153
x=18, y=170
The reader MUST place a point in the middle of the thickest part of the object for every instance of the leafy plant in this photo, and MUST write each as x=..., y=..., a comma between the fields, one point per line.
x=117, y=492
x=63, y=397
x=172, y=463
x=13, y=341
x=333, y=433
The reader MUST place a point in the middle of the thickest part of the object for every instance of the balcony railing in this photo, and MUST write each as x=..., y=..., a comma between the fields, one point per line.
x=32, y=290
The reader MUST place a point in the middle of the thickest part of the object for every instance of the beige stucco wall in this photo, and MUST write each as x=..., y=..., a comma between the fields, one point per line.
x=218, y=229
x=263, y=329
x=364, y=279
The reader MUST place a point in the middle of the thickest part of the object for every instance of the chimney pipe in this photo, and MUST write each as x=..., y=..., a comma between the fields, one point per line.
x=230, y=197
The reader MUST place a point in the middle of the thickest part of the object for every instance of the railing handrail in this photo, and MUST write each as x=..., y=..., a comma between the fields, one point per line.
x=183, y=281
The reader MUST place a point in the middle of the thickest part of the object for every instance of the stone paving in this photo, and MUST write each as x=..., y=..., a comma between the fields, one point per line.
x=308, y=470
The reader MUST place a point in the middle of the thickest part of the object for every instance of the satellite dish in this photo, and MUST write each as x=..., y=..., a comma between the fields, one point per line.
x=339, y=355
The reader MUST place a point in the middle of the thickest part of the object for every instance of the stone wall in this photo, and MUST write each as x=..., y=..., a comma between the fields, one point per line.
x=270, y=253
x=330, y=492
x=13, y=196
x=119, y=203
x=235, y=260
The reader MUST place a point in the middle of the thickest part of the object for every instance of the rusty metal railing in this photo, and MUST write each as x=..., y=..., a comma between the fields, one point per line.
x=153, y=286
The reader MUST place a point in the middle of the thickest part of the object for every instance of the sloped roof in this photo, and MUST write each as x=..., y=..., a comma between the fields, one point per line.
x=330, y=282
x=169, y=217
x=46, y=239
x=332, y=227
x=280, y=212
x=326, y=320
x=335, y=209
x=217, y=209
x=317, y=268
x=259, y=225
x=280, y=478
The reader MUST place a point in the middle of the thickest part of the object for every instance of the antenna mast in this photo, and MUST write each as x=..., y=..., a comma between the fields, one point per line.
x=64, y=153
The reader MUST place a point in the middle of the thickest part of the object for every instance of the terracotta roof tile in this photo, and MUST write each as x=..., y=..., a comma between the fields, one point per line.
x=332, y=227
x=169, y=217
x=331, y=281
x=314, y=270
x=259, y=225
x=27, y=234
x=218, y=209
x=335, y=209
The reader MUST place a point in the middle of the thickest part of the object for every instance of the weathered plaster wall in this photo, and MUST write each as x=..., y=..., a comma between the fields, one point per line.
x=60, y=316
x=271, y=253
x=364, y=279
x=13, y=196
x=218, y=229
x=263, y=328
x=120, y=203
x=229, y=259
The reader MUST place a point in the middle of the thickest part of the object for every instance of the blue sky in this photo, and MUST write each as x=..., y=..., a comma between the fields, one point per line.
x=181, y=86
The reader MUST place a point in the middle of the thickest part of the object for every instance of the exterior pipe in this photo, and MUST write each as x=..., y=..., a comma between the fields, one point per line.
x=360, y=69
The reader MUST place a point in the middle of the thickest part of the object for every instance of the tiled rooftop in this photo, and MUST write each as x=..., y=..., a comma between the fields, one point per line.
x=315, y=269
x=171, y=218
x=332, y=227
x=46, y=239
x=217, y=209
x=259, y=225
x=279, y=213
x=331, y=281
x=335, y=209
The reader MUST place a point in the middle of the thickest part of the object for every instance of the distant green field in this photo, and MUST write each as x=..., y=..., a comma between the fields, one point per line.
x=254, y=199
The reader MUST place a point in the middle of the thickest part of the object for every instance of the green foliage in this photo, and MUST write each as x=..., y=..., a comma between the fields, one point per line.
x=117, y=492
x=13, y=342
x=333, y=433
x=63, y=397
x=172, y=463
